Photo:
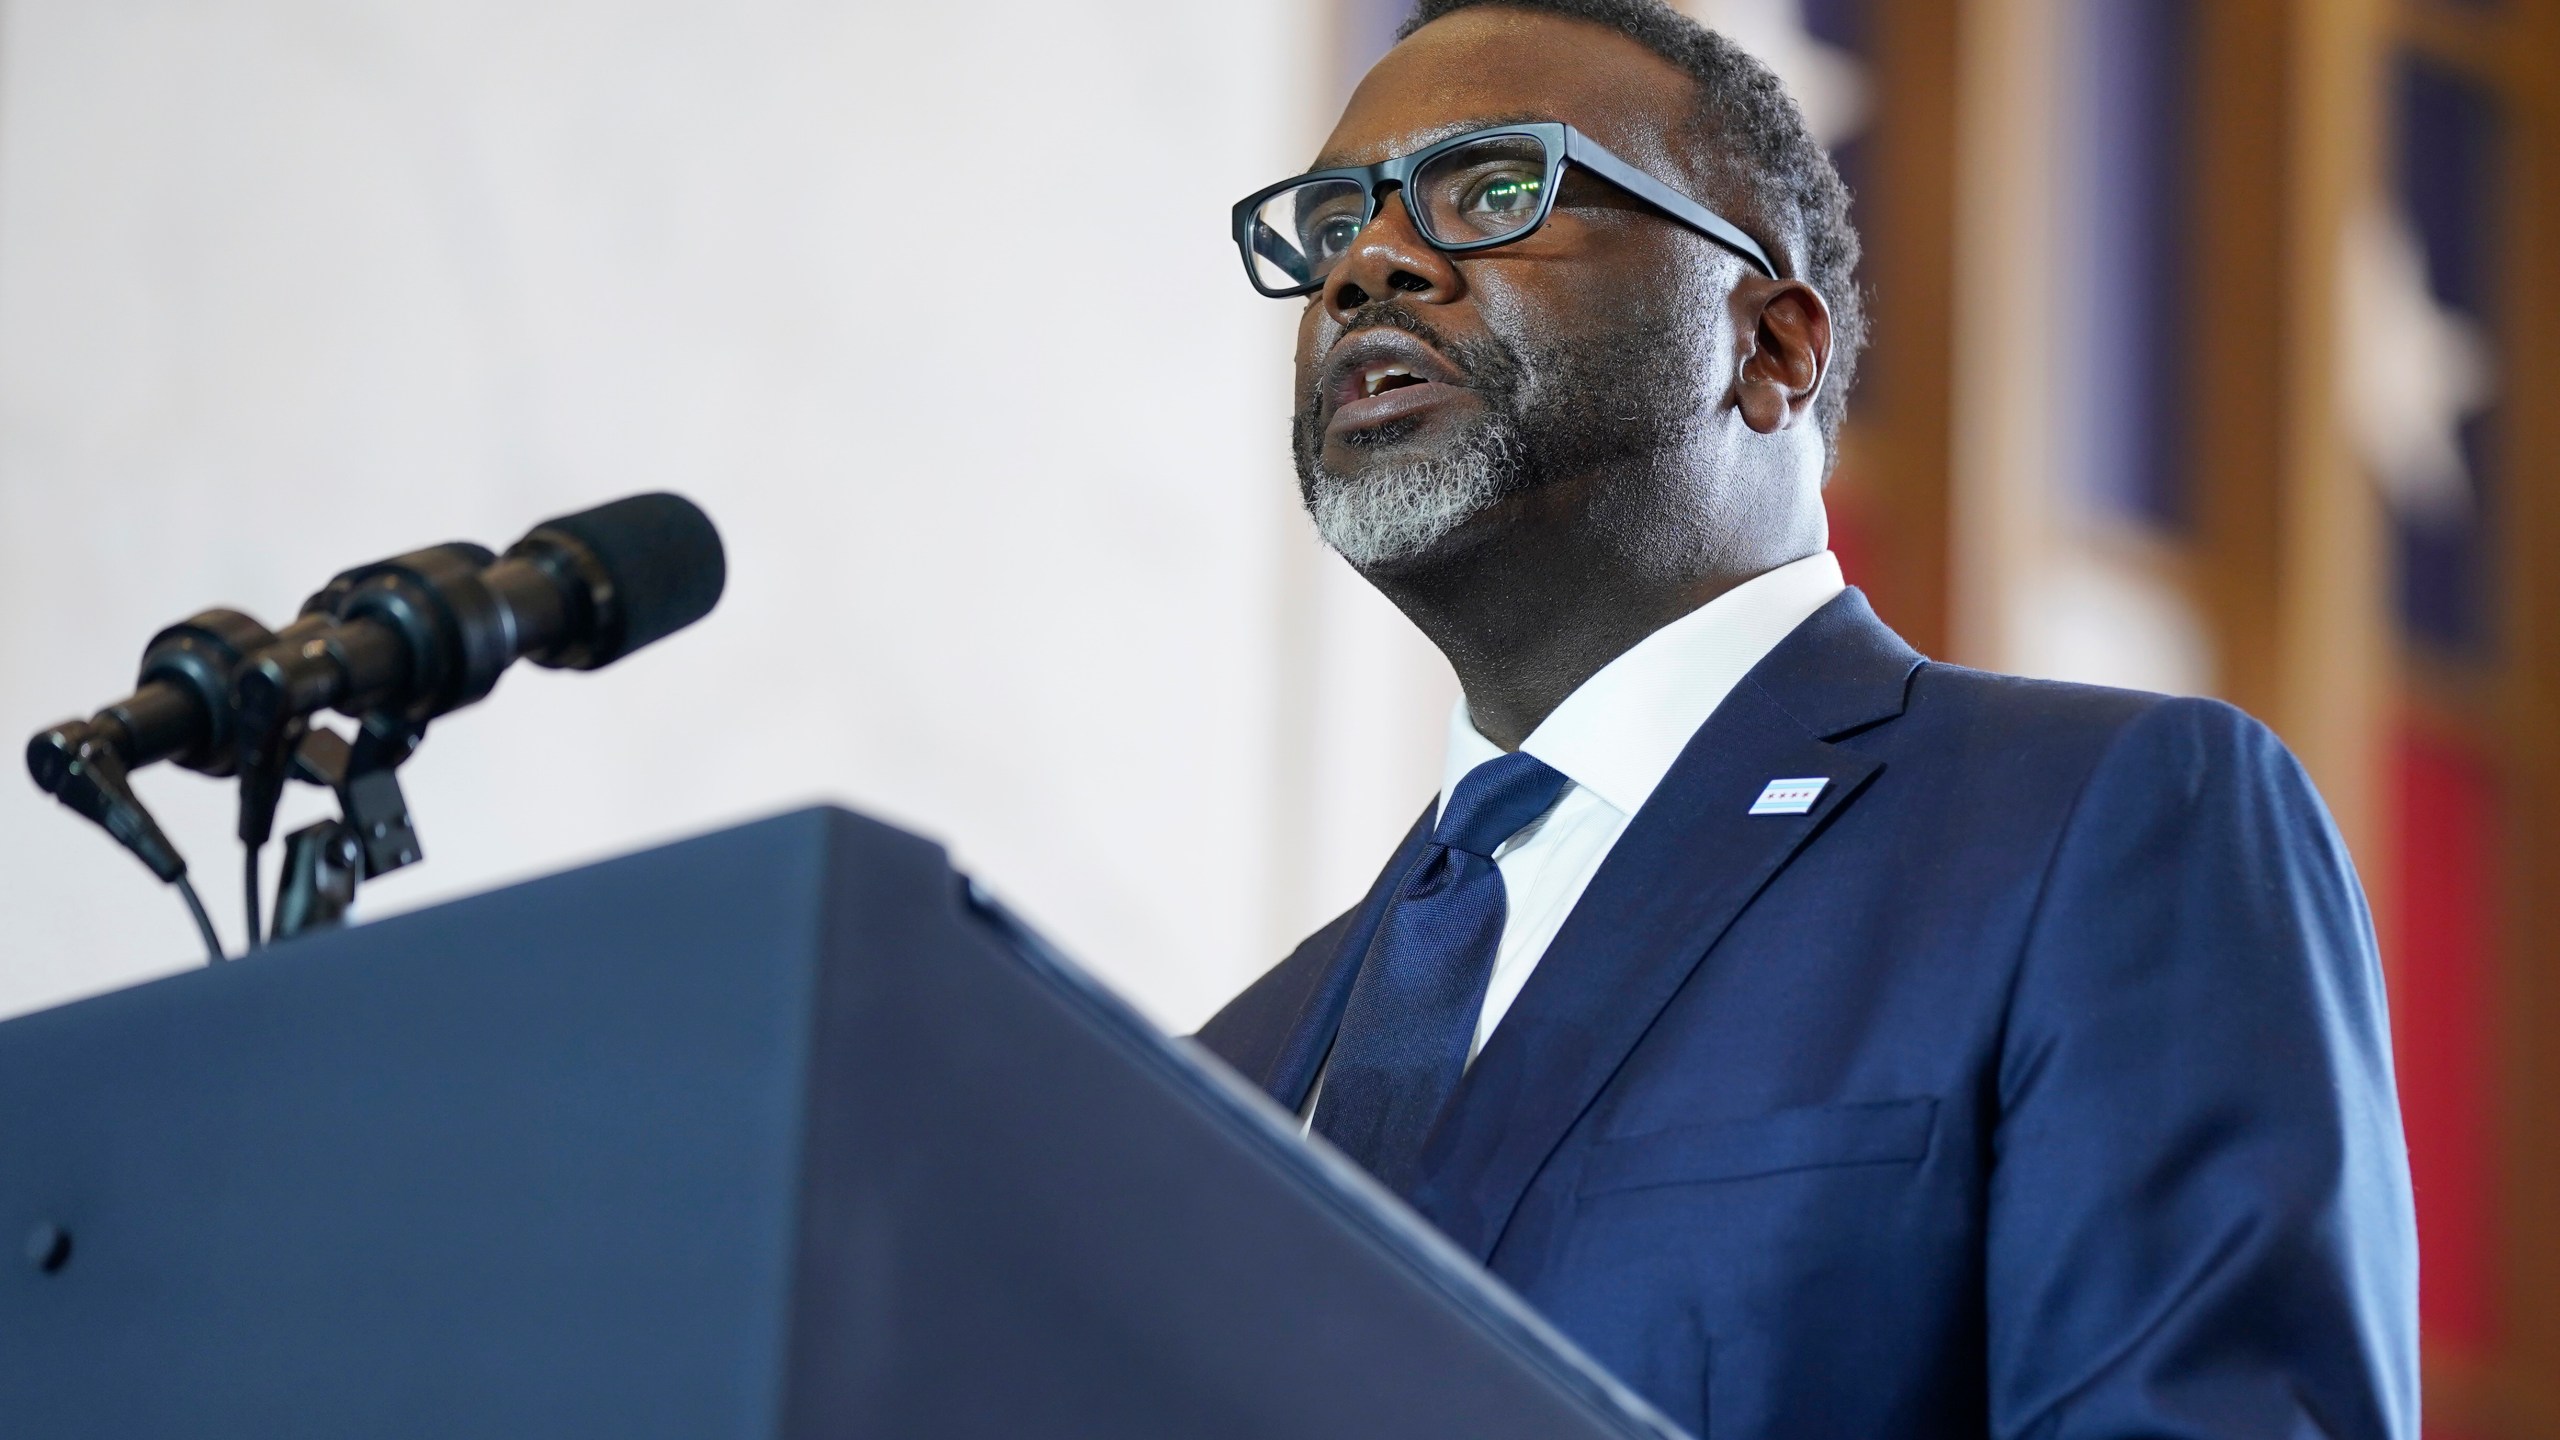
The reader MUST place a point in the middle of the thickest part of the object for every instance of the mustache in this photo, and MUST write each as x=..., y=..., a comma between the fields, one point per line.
x=1397, y=315
x=1488, y=366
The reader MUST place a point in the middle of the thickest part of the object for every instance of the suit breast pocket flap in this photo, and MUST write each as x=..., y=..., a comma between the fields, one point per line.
x=1882, y=1132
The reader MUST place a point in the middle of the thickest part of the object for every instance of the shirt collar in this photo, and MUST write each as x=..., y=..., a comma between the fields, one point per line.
x=1619, y=732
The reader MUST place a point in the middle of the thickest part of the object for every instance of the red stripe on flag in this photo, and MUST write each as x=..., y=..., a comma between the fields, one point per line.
x=2442, y=953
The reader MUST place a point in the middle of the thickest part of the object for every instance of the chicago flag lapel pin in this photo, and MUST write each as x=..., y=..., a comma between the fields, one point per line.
x=1790, y=797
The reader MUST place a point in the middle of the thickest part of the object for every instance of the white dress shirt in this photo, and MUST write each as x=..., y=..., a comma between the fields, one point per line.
x=1615, y=737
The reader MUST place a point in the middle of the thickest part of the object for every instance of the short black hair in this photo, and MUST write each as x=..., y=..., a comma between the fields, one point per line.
x=1758, y=139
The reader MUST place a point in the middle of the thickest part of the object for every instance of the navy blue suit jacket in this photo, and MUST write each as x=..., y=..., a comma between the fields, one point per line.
x=2034, y=1084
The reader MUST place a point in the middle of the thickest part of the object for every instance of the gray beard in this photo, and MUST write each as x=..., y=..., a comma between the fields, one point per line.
x=1399, y=511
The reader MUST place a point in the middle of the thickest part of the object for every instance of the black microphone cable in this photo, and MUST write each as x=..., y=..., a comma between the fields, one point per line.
x=249, y=897
x=204, y=923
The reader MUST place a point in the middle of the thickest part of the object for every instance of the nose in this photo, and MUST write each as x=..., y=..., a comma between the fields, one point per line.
x=1389, y=257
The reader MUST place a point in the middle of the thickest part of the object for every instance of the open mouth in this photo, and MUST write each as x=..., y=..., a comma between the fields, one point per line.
x=1377, y=400
x=1379, y=379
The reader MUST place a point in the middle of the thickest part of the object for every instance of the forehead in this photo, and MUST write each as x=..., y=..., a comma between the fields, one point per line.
x=1494, y=65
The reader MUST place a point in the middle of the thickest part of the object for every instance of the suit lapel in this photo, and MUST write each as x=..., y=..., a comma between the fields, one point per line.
x=1686, y=865
x=1280, y=1039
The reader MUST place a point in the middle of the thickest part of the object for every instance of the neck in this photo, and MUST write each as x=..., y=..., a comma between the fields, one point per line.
x=1529, y=611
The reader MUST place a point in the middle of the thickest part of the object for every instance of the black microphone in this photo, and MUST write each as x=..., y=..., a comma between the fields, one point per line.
x=424, y=634
x=410, y=638
x=428, y=632
x=181, y=709
x=396, y=643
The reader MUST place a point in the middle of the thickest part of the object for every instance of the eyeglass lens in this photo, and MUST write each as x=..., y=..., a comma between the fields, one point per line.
x=1469, y=194
x=1299, y=234
x=1481, y=190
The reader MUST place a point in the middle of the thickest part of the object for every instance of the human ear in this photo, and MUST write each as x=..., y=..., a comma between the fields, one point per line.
x=1786, y=337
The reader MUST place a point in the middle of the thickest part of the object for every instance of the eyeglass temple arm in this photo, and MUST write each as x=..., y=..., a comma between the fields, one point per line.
x=1591, y=157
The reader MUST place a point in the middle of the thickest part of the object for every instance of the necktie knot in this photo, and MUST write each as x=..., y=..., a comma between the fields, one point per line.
x=1497, y=800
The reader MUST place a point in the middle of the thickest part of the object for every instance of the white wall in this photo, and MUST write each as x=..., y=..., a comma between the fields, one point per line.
x=930, y=306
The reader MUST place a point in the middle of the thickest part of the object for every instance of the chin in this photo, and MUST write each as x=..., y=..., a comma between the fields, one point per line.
x=1445, y=555
x=1411, y=494
x=1394, y=524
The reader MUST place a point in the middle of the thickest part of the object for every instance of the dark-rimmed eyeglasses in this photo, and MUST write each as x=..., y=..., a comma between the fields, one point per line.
x=1469, y=192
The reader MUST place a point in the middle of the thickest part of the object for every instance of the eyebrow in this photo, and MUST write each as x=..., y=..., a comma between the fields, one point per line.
x=1334, y=159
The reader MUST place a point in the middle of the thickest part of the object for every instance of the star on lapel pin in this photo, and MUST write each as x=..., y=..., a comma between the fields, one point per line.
x=1790, y=797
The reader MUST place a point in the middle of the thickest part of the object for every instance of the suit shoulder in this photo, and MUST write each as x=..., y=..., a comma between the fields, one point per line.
x=1988, y=694
x=2117, y=758
x=2046, y=715
x=2000, y=738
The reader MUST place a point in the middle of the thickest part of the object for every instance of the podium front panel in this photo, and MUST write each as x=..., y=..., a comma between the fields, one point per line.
x=779, y=1132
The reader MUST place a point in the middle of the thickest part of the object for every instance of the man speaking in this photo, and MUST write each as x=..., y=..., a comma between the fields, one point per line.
x=1831, y=1041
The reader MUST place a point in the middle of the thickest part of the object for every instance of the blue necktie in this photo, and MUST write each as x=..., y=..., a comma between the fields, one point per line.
x=1412, y=1014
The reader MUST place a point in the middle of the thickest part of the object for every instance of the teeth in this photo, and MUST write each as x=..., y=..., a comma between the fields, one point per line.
x=1370, y=380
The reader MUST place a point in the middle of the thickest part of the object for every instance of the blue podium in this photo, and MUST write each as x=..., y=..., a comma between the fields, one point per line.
x=784, y=1132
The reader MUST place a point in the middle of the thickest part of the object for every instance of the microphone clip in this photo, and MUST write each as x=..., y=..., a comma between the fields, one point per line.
x=373, y=835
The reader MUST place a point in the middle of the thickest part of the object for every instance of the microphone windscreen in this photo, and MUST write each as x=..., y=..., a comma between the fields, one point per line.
x=665, y=561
